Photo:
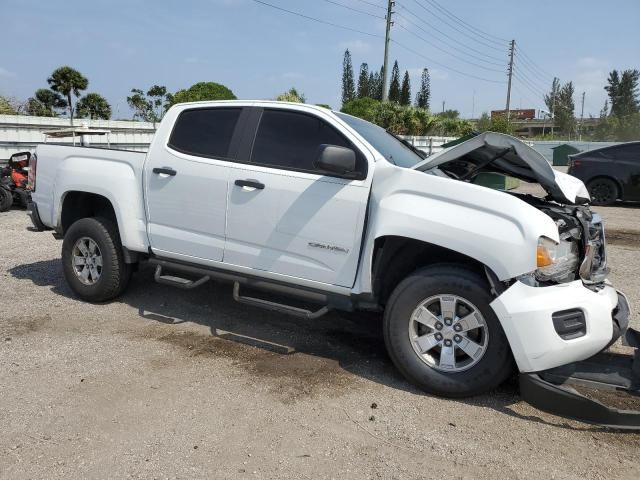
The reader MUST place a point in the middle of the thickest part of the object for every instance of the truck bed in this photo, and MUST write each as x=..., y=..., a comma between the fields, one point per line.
x=113, y=174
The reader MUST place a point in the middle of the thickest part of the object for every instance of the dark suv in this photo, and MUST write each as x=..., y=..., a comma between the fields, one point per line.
x=610, y=173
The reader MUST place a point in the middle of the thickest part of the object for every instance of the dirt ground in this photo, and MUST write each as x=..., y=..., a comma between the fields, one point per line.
x=162, y=384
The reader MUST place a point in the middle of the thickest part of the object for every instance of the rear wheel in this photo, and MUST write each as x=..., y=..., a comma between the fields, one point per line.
x=603, y=191
x=92, y=260
x=442, y=334
x=6, y=200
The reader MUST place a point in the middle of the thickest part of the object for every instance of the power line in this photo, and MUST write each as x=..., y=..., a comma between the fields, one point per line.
x=302, y=15
x=536, y=91
x=533, y=64
x=483, y=43
x=354, y=9
x=446, y=67
x=324, y=22
x=373, y=4
x=531, y=71
x=471, y=27
x=501, y=64
x=448, y=53
x=453, y=39
x=525, y=81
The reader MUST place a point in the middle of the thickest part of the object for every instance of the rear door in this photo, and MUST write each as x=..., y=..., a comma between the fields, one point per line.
x=186, y=184
x=284, y=216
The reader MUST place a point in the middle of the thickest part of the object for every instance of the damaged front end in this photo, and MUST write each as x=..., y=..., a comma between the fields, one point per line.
x=577, y=263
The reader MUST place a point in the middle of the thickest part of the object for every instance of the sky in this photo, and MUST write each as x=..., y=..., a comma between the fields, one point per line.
x=259, y=51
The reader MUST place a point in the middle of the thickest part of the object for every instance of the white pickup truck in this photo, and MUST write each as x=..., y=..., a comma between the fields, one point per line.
x=315, y=205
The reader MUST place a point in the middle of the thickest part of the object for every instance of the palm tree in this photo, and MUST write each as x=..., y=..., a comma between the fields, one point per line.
x=50, y=100
x=66, y=81
x=94, y=106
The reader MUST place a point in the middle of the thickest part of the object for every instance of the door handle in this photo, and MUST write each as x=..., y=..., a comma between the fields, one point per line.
x=250, y=183
x=165, y=171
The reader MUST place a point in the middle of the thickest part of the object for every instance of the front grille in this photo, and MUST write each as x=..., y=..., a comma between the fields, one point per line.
x=594, y=266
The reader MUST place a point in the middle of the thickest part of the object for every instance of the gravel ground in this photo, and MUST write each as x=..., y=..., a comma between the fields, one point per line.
x=150, y=386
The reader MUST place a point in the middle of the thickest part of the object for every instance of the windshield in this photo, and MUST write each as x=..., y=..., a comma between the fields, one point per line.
x=390, y=146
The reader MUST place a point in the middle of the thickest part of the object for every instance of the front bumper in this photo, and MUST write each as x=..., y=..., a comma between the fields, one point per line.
x=526, y=315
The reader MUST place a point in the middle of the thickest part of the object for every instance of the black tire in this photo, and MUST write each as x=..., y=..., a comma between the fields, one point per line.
x=6, y=200
x=603, y=191
x=492, y=368
x=115, y=273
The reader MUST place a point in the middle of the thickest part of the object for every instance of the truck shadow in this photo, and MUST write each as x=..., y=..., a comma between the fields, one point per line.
x=354, y=345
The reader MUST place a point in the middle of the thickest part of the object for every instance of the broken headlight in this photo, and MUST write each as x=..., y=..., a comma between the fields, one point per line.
x=557, y=261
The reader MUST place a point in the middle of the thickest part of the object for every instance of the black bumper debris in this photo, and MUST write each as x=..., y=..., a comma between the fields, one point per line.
x=554, y=391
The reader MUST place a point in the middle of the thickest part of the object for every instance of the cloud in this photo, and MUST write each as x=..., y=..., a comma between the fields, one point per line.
x=191, y=60
x=6, y=73
x=590, y=63
x=356, y=46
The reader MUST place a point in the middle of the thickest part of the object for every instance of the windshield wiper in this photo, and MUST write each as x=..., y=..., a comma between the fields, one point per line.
x=407, y=144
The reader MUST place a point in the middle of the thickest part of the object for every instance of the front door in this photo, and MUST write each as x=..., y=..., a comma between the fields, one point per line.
x=283, y=216
x=186, y=185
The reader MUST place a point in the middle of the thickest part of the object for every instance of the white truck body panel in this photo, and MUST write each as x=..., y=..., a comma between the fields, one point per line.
x=319, y=231
x=114, y=174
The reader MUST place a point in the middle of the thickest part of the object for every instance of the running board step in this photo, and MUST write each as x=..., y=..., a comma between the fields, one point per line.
x=178, y=282
x=278, y=307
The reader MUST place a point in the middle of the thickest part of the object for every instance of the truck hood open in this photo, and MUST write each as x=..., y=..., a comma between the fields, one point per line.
x=514, y=158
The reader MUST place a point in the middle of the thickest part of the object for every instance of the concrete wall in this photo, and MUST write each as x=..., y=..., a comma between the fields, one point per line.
x=429, y=145
x=21, y=132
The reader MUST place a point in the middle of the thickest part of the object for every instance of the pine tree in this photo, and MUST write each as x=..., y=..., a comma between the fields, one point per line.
x=348, y=85
x=372, y=83
x=423, y=96
x=564, y=115
x=363, y=81
x=394, y=86
x=405, y=91
x=623, y=92
x=551, y=98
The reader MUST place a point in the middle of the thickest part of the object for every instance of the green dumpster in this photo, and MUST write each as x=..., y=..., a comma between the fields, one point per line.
x=496, y=181
x=561, y=154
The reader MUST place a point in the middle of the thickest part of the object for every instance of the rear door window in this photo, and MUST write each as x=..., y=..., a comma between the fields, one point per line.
x=205, y=132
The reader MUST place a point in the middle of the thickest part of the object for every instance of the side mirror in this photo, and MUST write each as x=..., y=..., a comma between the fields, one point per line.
x=335, y=159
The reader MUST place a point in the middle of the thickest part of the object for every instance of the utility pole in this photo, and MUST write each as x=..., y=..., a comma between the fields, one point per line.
x=581, y=117
x=442, y=106
x=387, y=39
x=512, y=47
x=473, y=104
x=553, y=113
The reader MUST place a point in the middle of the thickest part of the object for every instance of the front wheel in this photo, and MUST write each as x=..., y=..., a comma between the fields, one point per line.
x=442, y=334
x=92, y=260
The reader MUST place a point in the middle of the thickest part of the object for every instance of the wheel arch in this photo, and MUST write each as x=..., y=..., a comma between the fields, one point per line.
x=78, y=204
x=617, y=182
x=396, y=257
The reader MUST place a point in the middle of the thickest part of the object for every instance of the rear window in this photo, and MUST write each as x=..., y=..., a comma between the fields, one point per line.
x=205, y=132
